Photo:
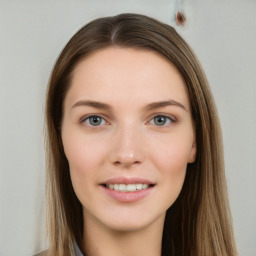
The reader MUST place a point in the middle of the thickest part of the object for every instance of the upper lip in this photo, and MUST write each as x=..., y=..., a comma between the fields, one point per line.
x=127, y=180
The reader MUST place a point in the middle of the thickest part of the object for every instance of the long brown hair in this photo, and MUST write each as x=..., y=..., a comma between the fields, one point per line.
x=199, y=222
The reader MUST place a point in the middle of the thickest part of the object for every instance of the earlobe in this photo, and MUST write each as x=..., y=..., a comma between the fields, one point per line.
x=192, y=156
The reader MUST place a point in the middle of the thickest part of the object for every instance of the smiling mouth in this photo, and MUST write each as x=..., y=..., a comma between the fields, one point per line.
x=128, y=187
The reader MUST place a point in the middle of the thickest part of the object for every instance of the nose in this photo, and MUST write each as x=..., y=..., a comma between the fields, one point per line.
x=127, y=147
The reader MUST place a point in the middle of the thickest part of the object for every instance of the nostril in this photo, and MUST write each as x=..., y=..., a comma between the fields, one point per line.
x=126, y=163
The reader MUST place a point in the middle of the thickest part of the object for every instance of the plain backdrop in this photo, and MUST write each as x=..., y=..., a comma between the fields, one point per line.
x=32, y=33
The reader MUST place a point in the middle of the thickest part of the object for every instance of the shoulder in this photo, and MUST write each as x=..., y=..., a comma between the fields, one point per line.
x=43, y=253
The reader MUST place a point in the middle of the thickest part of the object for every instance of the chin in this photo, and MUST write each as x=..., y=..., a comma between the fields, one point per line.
x=127, y=226
x=132, y=222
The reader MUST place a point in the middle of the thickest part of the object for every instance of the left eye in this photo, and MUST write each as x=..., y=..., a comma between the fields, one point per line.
x=161, y=120
x=94, y=121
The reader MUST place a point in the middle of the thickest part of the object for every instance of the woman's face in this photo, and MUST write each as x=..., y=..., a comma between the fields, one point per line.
x=128, y=136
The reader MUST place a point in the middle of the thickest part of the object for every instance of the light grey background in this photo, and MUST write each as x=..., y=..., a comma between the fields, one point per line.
x=32, y=33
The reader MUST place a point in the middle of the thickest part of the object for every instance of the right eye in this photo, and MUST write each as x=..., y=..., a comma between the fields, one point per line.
x=94, y=120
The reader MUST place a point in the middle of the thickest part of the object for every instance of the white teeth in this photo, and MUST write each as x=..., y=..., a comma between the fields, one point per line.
x=145, y=186
x=131, y=187
x=122, y=187
x=139, y=186
x=127, y=187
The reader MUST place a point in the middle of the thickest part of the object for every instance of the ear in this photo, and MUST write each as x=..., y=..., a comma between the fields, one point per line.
x=192, y=155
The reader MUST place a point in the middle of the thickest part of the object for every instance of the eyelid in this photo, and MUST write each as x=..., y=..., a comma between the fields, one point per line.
x=84, y=118
x=171, y=117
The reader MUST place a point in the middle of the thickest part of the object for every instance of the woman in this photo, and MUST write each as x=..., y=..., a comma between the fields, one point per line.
x=134, y=147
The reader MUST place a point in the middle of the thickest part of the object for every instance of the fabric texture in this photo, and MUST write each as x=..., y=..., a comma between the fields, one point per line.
x=77, y=251
x=43, y=253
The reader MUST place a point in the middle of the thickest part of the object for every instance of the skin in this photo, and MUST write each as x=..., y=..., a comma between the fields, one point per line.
x=129, y=142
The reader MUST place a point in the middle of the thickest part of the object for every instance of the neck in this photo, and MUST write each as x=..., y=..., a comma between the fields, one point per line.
x=100, y=240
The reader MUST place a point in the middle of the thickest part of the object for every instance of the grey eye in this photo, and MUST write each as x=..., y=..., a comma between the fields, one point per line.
x=161, y=120
x=94, y=121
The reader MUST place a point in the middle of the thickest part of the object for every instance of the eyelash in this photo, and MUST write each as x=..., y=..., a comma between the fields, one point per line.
x=165, y=116
x=87, y=118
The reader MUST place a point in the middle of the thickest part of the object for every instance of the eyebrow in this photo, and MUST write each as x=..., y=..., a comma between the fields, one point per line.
x=94, y=104
x=160, y=104
x=149, y=107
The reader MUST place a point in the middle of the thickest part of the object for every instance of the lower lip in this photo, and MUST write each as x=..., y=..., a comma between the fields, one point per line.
x=127, y=197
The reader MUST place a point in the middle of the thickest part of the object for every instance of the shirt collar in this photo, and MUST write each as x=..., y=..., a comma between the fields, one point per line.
x=77, y=250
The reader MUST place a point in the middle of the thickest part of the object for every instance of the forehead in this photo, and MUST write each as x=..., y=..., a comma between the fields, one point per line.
x=126, y=75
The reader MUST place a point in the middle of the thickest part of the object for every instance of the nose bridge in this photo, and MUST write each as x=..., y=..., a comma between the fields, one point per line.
x=127, y=147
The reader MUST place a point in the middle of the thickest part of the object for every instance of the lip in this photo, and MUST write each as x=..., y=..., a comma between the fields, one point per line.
x=127, y=197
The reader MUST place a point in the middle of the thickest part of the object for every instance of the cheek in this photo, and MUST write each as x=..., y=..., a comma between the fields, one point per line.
x=84, y=157
x=83, y=163
x=172, y=165
x=82, y=152
x=171, y=160
x=172, y=155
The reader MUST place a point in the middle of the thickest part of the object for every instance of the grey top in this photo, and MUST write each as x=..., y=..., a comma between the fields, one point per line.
x=77, y=251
